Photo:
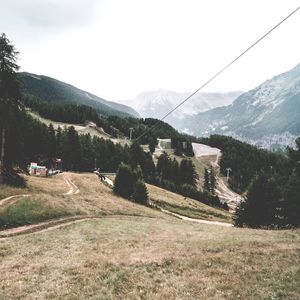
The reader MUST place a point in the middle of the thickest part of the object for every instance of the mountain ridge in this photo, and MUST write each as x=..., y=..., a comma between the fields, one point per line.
x=158, y=103
x=53, y=90
x=266, y=115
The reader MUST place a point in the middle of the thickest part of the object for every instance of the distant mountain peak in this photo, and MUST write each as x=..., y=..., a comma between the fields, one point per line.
x=157, y=103
x=268, y=115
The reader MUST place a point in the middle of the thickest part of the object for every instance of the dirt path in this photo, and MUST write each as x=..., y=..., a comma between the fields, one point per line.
x=43, y=226
x=226, y=194
x=222, y=190
x=195, y=220
x=73, y=188
x=5, y=200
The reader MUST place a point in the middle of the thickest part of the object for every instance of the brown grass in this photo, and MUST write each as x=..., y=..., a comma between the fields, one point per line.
x=186, y=206
x=54, y=185
x=135, y=252
x=141, y=258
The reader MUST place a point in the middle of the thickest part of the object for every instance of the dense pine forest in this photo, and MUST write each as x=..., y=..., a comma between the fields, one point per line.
x=271, y=181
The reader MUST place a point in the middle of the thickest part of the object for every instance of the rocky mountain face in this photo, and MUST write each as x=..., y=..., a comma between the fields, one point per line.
x=268, y=116
x=52, y=90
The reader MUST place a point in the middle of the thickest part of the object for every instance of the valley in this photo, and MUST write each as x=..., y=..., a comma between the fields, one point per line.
x=97, y=202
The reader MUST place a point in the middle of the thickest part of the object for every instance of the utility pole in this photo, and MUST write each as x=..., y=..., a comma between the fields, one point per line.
x=228, y=170
x=130, y=134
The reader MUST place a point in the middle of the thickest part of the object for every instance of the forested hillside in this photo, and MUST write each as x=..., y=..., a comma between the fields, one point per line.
x=271, y=182
x=245, y=161
x=55, y=91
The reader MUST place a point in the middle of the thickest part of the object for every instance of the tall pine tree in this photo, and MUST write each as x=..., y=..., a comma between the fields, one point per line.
x=9, y=103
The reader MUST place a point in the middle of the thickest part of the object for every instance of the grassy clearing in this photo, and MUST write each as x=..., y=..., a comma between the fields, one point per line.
x=143, y=258
x=32, y=210
x=186, y=206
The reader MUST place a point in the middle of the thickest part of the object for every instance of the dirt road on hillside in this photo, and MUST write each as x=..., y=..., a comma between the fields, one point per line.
x=73, y=190
x=223, y=191
x=195, y=220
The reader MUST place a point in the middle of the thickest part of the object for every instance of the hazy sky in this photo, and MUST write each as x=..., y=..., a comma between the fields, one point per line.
x=119, y=48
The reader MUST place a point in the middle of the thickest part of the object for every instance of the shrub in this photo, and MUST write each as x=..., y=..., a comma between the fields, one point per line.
x=140, y=193
x=124, y=181
x=189, y=190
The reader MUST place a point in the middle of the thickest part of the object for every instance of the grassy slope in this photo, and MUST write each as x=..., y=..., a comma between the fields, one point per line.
x=143, y=258
x=47, y=201
x=186, y=206
x=134, y=252
x=81, y=129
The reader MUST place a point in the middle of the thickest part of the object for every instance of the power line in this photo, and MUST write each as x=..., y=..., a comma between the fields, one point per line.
x=220, y=72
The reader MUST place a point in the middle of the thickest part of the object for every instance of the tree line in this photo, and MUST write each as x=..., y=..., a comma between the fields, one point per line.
x=273, y=198
x=244, y=160
x=113, y=125
x=177, y=177
x=270, y=181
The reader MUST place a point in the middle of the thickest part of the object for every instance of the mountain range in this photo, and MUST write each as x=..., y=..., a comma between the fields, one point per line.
x=53, y=90
x=156, y=104
x=268, y=116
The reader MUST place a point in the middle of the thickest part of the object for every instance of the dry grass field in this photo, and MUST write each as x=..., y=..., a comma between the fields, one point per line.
x=186, y=206
x=129, y=251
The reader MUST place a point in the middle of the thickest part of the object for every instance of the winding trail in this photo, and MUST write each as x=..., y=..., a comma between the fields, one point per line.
x=58, y=223
x=73, y=190
x=201, y=221
x=3, y=201
x=40, y=227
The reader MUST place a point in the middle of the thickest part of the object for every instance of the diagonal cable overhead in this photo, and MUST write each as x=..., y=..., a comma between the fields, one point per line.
x=220, y=72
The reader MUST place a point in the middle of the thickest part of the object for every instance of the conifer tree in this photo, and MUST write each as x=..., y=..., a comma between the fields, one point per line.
x=163, y=166
x=259, y=207
x=206, y=186
x=52, y=141
x=212, y=179
x=124, y=182
x=9, y=100
x=71, y=149
x=187, y=172
x=178, y=149
x=140, y=193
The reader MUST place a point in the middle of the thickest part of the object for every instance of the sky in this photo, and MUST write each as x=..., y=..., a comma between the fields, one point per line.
x=117, y=49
